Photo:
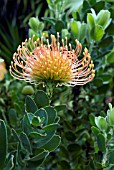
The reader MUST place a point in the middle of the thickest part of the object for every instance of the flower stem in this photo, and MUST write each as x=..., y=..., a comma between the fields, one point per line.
x=49, y=89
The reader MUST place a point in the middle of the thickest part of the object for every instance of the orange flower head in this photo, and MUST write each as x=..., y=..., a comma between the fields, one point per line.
x=55, y=62
x=3, y=70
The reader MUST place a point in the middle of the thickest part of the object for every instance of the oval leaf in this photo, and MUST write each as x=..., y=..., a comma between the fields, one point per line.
x=101, y=142
x=30, y=105
x=3, y=143
x=110, y=57
x=52, y=114
x=53, y=143
x=97, y=33
x=41, y=99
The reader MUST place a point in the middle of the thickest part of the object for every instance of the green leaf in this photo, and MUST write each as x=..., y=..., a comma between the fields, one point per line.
x=36, y=121
x=110, y=106
x=53, y=143
x=10, y=164
x=75, y=26
x=43, y=116
x=92, y=2
x=103, y=18
x=3, y=143
x=111, y=116
x=92, y=119
x=19, y=155
x=12, y=117
x=82, y=32
x=30, y=117
x=109, y=0
x=64, y=33
x=61, y=107
x=45, y=139
x=34, y=22
x=106, y=42
x=36, y=135
x=31, y=33
x=101, y=142
x=37, y=160
x=39, y=156
x=65, y=165
x=51, y=127
x=99, y=6
x=52, y=114
x=30, y=105
x=110, y=57
x=26, y=126
x=72, y=5
x=41, y=99
x=15, y=135
x=90, y=20
x=59, y=25
x=25, y=141
x=110, y=29
x=70, y=135
x=110, y=167
x=98, y=82
x=101, y=123
x=111, y=157
x=106, y=77
x=51, y=20
x=95, y=130
x=97, y=33
x=73, y=147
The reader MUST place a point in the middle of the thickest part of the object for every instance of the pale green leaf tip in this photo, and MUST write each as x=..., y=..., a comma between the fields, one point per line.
x=110, y=106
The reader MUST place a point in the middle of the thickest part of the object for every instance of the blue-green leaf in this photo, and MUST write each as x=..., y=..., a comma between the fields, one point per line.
x=3, y=143
x=10, y=164
x=51, y=127
x=52, y=114
x=53, y=143
x=36, y=121
x=95, y=130
x=59, y=25
x=41, y=99
x=12, y=117
x=111, y=157
x=36, y=135
x=101, y=142
x=30, y=105
x=25, y=141
x=110, y=57
x=26, y=126
x=45, y=139
x=15, y=135
x=43, y=116
x=37, y=160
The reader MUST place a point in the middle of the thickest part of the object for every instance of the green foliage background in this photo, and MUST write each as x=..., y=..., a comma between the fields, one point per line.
x=86, y=138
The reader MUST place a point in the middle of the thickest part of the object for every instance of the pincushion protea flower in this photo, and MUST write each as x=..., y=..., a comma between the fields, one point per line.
x=54, y=62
